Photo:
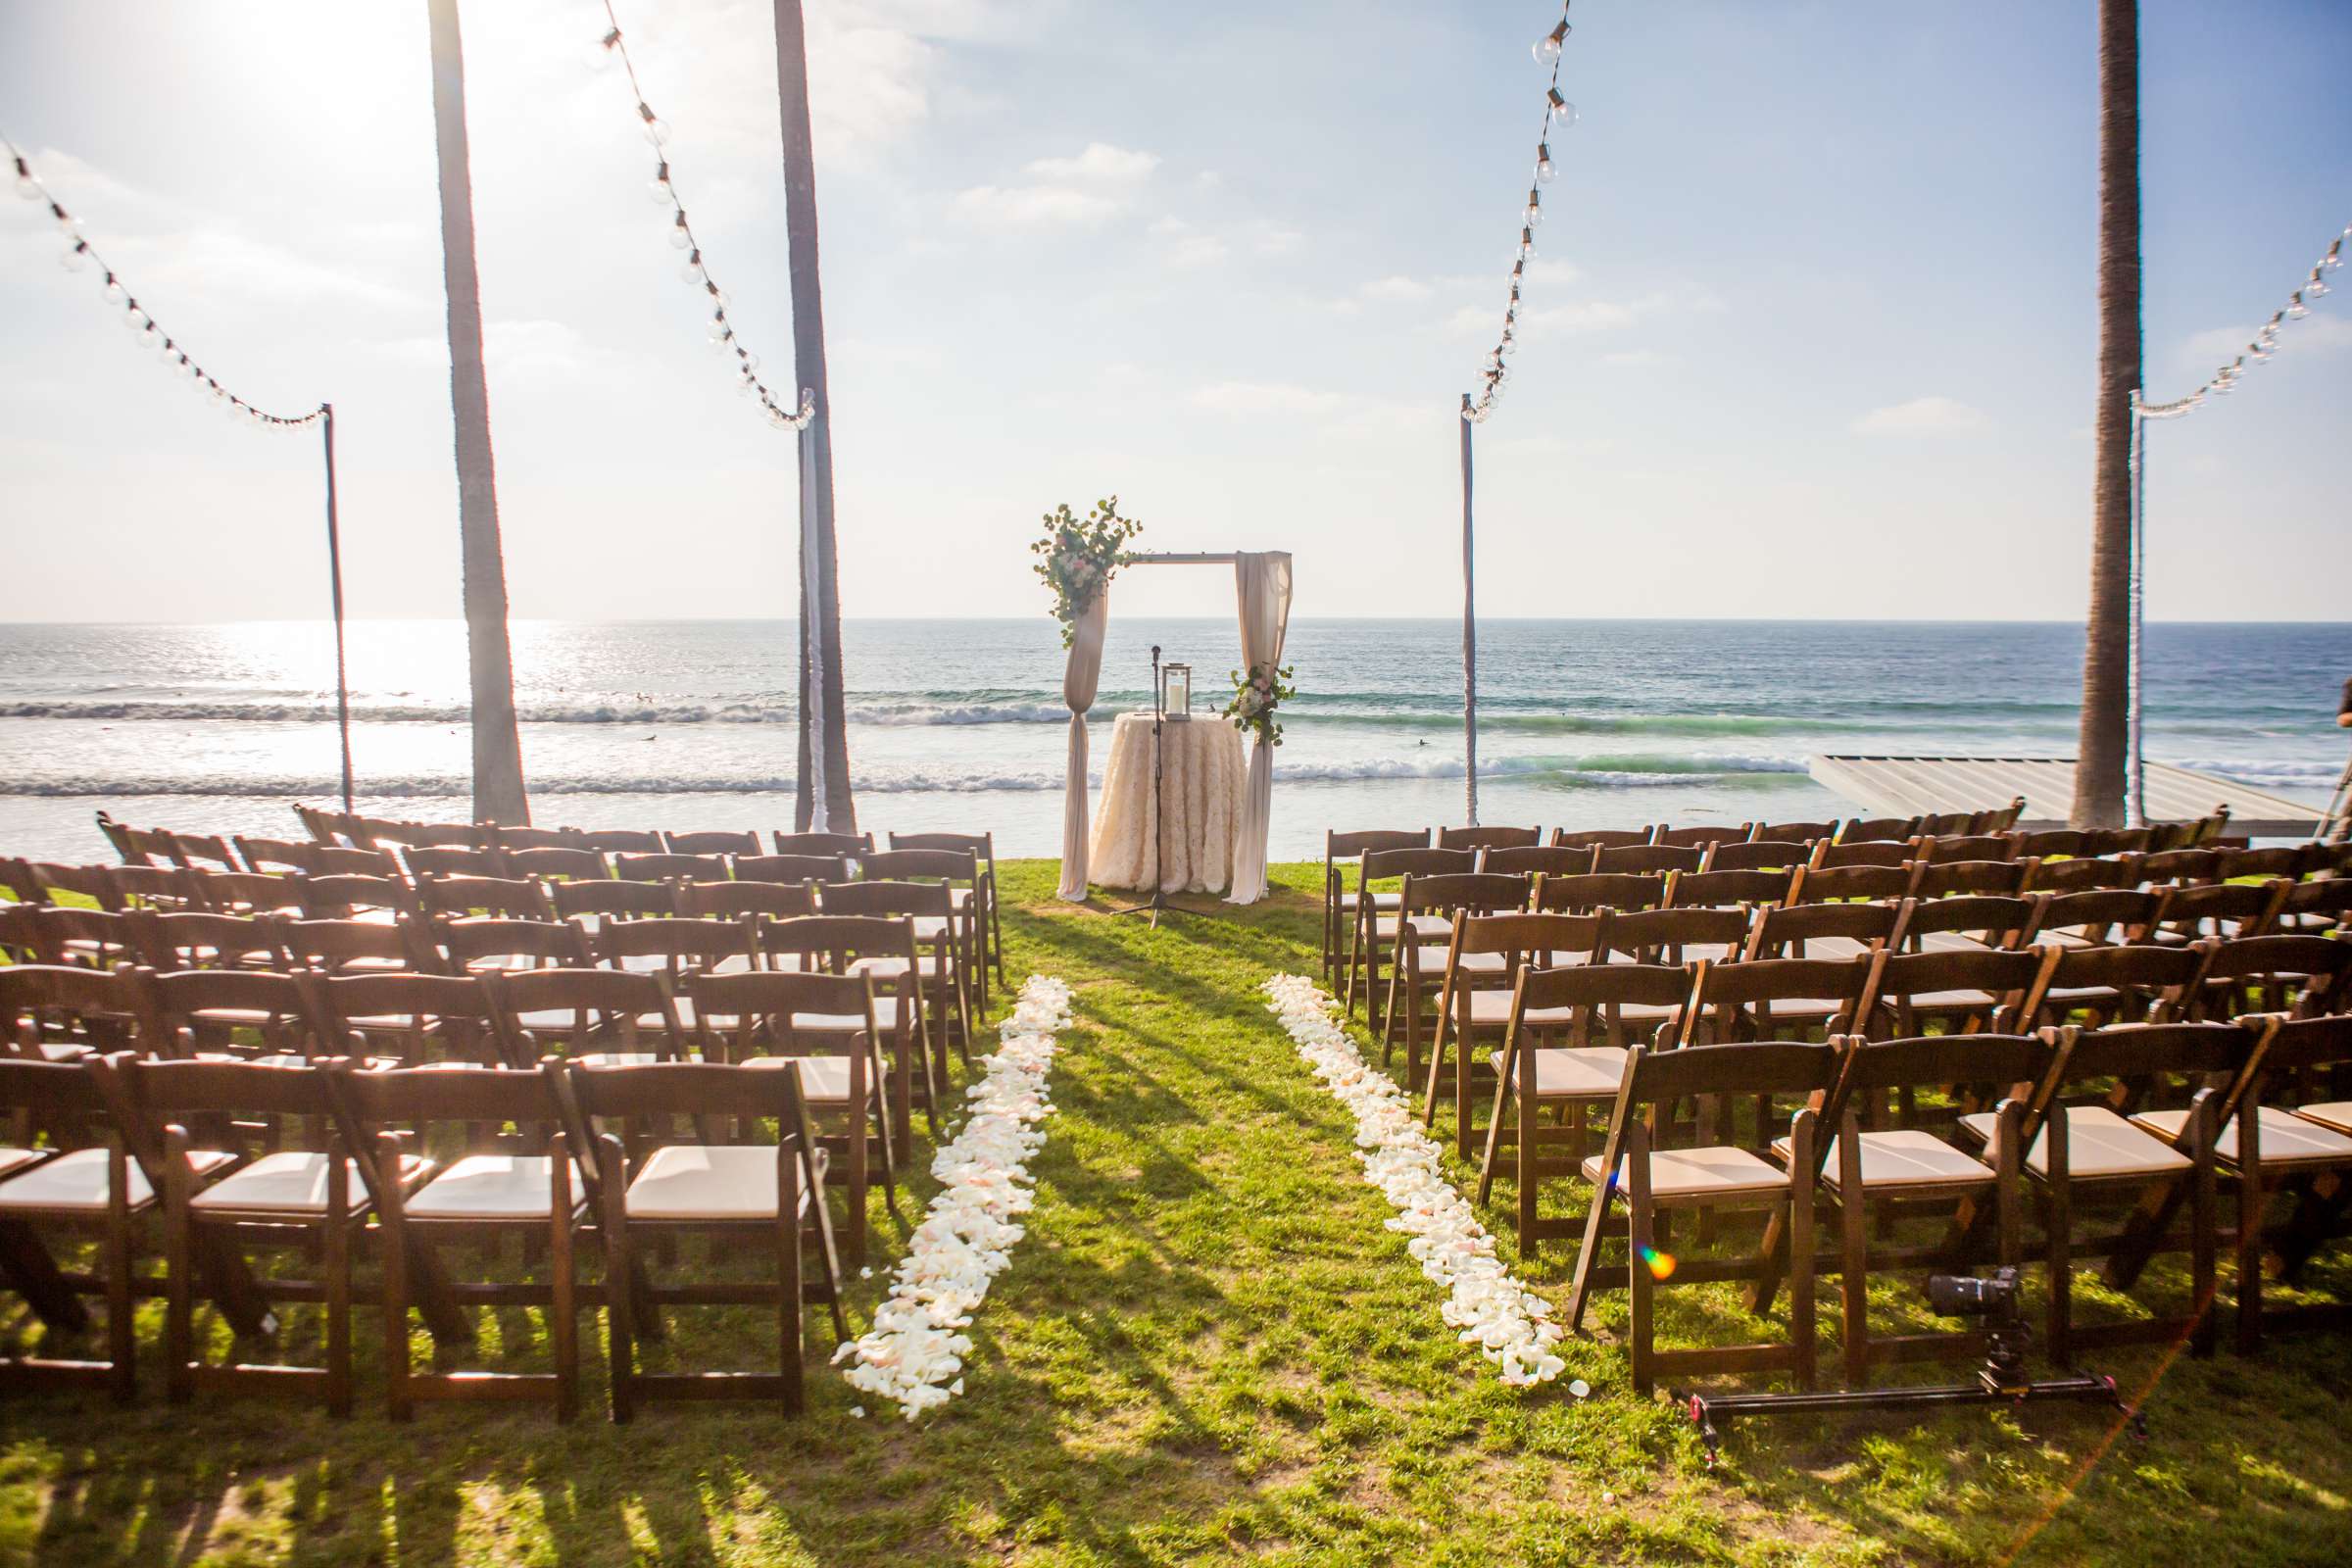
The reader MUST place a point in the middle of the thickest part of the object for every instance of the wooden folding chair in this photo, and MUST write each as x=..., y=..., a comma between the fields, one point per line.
x=728, y=900
x=344, y=895
x=1967, y=989
x=1705, y=835
x=452, y=859
x=63, y=1012
x=1376, y=926
x=720, y=841
x=1878, y=829
x=508, y=898
x=2120, y=985
x=91, y=939
x=1943, y=879
x=1600, y=1012
x=1824, y=930
x=2094, y=918
x=315, y=1200
x=1762, y=999
x=825, y=1028
x=606, y=1016
x=1758, y=854
x=622, y=841
x=748, y=1195
x=2083, y=874
x=1676, y=937
x=1968, y=922
x=2298, y=1147
x=834, y=944
x=850, y=845
x=1725, y=889
x=1340, y=850
x=937, y=966
x=406, y=1018
x=506, y=839
x=670, y=948
x=210, y=1013
x=958, y=871
x=246, y=891
x=1841, y=884
x=1793, y=832
x=1537, y=860
x=72, y=1193
x=1601, y=838
x=1483, y=960
x=1619, y=891
x=1647, y=860
x=792, y=869
x=1639, y=1167
x=2299, y=974
x=528, y=1182
x=1427, y=910
x=667, y=868
x=1488, y=838
x=2225, y=910
x=597, y=902
x=483, y=944
x=352, y=947
x=1843, y=854
x=1966, y=847
x=337, y=860
x=1913, y=1168
x=2079, y=1149
x=558, y=863
x=983, y=848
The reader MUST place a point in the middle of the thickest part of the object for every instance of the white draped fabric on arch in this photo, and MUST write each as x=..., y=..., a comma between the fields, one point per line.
x=1262, y=587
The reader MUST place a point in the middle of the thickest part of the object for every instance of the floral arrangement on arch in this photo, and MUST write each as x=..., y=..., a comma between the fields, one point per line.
x=1080, y=557
x=1256, y=696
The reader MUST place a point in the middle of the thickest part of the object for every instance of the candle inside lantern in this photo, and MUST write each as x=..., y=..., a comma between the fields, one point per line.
x=1176, y=690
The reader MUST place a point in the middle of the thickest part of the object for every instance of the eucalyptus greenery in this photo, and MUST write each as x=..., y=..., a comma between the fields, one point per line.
x=1080, y=556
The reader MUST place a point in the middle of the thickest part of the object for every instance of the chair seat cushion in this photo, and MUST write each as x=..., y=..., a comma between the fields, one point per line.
x=2334, y=1113
x=616, y=1058
x=493, y=1186
x=1586, y=1072
x=2286, y=1138
x=1494, y=1007
x=1703, y=1172
x=1902, y=1158
x=1430, y=928
x=707, y=1182
x=293, y=1183
x=1951, y=942
x=77, y=1182
x=825, y=1080
x=12, y=1160
x=2099, y=1143
x=1484, y=963
x=1830, y=948
x=886, y=1019
x=1380, y=901
x=926, y=965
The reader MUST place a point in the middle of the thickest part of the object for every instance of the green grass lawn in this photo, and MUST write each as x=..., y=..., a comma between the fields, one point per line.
x=1206, y=1349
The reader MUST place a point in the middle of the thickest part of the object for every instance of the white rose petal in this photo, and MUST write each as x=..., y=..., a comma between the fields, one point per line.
x=913, y=1353
x=1491, y=1311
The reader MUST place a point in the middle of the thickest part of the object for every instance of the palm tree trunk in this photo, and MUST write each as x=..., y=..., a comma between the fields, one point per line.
x=498, y=792
x=2099, y=757
x=820, y=587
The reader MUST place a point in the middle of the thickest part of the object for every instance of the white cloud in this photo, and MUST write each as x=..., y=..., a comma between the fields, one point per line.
x=1397, y=287
x=1033, y=206
x=1267, y=397
x=1182, y=245
x=1630, y=357
x=1272, y=239
x=1100, y=161
x=532, y=347
x=1333, y=413
x=1923, y=416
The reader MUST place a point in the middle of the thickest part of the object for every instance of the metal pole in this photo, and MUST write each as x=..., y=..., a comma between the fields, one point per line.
x=334, y=572
x=2135, y=794
x=1469, y=632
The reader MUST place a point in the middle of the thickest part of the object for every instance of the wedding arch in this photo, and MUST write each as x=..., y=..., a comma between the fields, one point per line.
x=1261, y=581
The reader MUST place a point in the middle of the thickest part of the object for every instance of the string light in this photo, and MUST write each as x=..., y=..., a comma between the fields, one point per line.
x=2223, y=381
x=696, y=271
x=79, y=255
x=1559, y=115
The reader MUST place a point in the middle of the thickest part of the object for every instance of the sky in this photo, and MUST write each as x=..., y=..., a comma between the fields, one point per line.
x=1812, y=330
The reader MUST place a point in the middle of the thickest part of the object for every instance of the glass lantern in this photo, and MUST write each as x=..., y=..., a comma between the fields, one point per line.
x=1176, y=691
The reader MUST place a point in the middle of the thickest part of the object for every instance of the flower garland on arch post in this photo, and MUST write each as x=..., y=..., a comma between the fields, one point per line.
x=1081, y=554
x=1508, y=1323
x=914, y=1351
x=1256, y=696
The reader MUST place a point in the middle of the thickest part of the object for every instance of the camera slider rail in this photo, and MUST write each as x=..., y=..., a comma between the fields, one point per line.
x=1706, y=1410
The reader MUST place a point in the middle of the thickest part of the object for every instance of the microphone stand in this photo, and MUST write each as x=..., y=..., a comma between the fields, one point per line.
x=1159, y=903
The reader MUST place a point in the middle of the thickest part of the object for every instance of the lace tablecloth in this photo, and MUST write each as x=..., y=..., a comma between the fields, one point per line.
x=1203, y=790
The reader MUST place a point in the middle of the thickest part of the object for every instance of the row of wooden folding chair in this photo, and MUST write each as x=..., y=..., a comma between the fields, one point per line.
x=177, y=1147
x=2033, y=1145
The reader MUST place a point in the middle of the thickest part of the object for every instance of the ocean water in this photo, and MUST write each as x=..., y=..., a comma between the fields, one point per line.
x=690, y=724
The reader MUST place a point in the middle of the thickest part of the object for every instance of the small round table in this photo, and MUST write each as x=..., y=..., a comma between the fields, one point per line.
x=1202, y=791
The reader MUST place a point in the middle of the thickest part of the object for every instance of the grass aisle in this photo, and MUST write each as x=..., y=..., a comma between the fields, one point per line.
x=1207, y=1349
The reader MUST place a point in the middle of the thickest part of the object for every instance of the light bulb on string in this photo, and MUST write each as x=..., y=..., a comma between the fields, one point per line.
x=1561, y=114
x=656, y=130
x=693, y=271
x=133, y=318
x=115, y=293
x=1532, y=215
x=1527, y=244
x=680, y=236
x=1547, y=48
x=1545, y=170
x=74, y=257
x=602, y=50
x=659, y=189
x=2316, y=287
x=2296, y=310
x=26, y=187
